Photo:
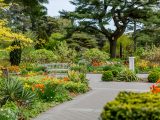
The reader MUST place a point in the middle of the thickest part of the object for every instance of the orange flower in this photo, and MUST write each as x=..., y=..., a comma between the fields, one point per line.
x=41, y=86
x=158, y=82
x=66, y=79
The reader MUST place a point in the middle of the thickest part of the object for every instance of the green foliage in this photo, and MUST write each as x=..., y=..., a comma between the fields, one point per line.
x=76, y=87
x=108, y=67
x=95, y=54
x=41, y=56
x=53, y=92
x=81, y=41
x=13, y=90
x=154, y=76
x=127, y=76
x=126, y=42
x=108, y=76
x=77, y=77
x=54, y=41
x=15, y=55
x=79, y=68
x=64, y=53
x=91, y=18
x=115, y=72
x=37, y=107
x=61, y=94
x=133, y=106
x=9, y=111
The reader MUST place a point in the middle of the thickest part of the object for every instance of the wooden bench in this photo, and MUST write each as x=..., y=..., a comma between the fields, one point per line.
x=57, y=67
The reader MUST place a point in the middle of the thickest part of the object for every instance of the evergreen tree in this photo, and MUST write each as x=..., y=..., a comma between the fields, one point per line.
x=98, y=14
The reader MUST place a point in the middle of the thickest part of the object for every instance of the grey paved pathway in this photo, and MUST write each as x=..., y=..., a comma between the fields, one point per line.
x=90, y=105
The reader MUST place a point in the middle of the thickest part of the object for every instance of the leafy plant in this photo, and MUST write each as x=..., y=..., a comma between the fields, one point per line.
x=127, y=76
x=107, y=76
x=79, y=68
x=41, y=56
x=76, y=87
x=115, y=73
x=106, y=68
x=13, y=90
x=95, y=54
x=77, y=77
x=64, y=53
x=9, y=111
x=154, y=76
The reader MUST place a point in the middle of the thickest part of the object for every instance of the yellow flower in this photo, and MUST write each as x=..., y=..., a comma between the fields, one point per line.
x=26, y=85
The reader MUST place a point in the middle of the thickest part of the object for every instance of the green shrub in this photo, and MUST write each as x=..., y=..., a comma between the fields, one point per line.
x=79, y=68
x=153, y=76
x=133, y=106
x=9, y=111
x=127, y=76
x=76, y=87
x=106, y=68
x=7, y=114
x=115, y=73
x=64, y=53
x=77, y=77
x=107, y=76
x=41, y=56
x=95, y=55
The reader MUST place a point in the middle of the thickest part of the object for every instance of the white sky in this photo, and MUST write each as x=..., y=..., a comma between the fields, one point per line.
x=57, y=5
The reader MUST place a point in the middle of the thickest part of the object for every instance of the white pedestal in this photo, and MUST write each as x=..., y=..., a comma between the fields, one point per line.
x=131, y=63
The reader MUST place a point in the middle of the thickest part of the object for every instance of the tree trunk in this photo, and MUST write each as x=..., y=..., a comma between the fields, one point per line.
x=113, y=45
x=121, y=51
x=134, y=36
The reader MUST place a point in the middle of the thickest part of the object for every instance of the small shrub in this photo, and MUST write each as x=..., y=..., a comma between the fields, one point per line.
x=133, y=106
x=77, y=77
x=76, y=87
x=106, y=68
x=94, y=54
x=107, y=76
x=79, y=68
x=153, y=76
x=41, y=56
x=127, y=76
x=115, y=73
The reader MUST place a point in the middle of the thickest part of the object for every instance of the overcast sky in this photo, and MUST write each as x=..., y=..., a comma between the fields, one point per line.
x=56, y=5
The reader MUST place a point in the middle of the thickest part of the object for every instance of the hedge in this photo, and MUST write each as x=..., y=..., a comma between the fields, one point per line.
x=133, y=106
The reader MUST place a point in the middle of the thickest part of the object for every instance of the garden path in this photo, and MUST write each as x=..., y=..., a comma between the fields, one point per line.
x=89, y=106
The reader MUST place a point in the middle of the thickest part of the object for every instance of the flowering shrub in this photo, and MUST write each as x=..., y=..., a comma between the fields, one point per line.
x=48, y=88
x=142, y=65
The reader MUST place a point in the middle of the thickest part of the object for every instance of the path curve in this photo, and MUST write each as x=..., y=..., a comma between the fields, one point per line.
x=89, y=106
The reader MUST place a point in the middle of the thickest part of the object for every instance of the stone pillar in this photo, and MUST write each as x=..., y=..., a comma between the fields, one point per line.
x=131, y=63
